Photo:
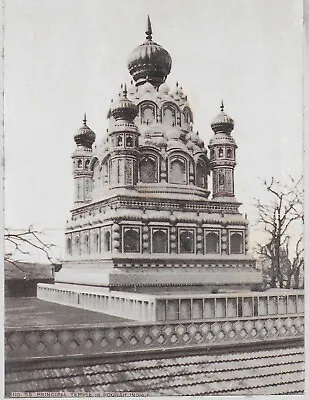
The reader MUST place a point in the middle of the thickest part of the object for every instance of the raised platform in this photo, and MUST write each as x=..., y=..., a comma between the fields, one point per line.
x=122, y=271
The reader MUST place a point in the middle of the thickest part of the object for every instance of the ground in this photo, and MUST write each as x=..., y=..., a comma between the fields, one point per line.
x=32, y=312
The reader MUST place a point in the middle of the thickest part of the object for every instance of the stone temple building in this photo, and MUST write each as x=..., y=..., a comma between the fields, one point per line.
x=155, y=210
x=155, y=237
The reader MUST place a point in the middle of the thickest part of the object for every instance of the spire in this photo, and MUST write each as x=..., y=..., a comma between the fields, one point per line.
x=125, y=92
x=222, y=106
x=149, y=30
x=85, y=119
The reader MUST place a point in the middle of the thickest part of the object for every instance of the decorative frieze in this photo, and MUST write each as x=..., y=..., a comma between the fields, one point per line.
x=93, y=340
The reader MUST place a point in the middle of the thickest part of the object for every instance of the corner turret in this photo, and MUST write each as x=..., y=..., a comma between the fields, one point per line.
x=222, y=148
x=82, y=155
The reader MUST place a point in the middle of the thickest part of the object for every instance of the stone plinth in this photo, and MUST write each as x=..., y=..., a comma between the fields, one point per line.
x=167, y=271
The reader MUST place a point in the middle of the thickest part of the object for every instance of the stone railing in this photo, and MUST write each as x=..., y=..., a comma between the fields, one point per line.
x=135, y=306
x=41, y=343
x=230, y=305
x=175, y=307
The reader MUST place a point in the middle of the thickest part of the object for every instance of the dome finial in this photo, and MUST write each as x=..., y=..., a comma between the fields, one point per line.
x=85, y=119
x=222, y=106
x=149, y=29
x=125, y=91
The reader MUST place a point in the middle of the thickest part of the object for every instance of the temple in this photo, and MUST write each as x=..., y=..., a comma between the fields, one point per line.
x=155, y=230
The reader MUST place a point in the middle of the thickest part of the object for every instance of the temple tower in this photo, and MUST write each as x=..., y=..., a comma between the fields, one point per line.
x=222, y=148
x=82, y=156
x=123, y=138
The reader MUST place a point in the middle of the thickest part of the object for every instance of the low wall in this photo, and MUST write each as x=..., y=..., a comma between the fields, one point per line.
x=134, y=306
x=146, y=307
x=42, y=343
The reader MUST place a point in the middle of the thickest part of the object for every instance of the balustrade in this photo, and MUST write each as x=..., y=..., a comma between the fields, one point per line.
x=173, y=307
x=28, y=343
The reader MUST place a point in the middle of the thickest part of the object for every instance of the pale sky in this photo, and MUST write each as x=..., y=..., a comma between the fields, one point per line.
x=64, y=58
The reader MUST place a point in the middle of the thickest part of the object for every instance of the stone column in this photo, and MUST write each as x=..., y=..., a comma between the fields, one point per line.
x=199, y=241
x=163, y=175
x=173, y=236
x=116, y=238
x=246, y=241
x=224, y=241
x=146, y=238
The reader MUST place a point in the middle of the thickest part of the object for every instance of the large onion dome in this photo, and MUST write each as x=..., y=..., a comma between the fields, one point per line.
x=149, y=62
x=124, y=109
x=85, y=136
x=222, y=123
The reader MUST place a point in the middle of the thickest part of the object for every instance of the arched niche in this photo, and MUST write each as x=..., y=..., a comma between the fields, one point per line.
x=236, y=243
x=229, y=153
x=178, y=170
x=129, y=140
x=131, y=240
x=186, y=241
x=104, y=171
x=80, y=163
x=187, y=116
x=201, y=173
x=148, y=169
x=96, y=240
x=119, y=140
x=169, y=114
x=159, y=241
x=86, y=244
x=77, y=245
x=107, y=241
x=69, y=246
x=148, y=112
x=212, y=243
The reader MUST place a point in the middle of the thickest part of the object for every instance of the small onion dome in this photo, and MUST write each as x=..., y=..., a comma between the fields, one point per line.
x=124, y=108
x=222, y=123
x=149, y=62
x=85, y=136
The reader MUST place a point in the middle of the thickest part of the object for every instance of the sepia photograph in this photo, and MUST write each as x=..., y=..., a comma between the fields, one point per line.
x=153, y=198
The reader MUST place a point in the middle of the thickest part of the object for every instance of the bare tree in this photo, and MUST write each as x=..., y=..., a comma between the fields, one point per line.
x=279, y=219
x=22, y=243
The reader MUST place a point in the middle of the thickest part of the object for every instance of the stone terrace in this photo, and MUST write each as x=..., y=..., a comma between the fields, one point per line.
x=32, y=312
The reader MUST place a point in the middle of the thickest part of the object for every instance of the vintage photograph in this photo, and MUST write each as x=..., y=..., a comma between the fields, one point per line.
x=153, y=198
